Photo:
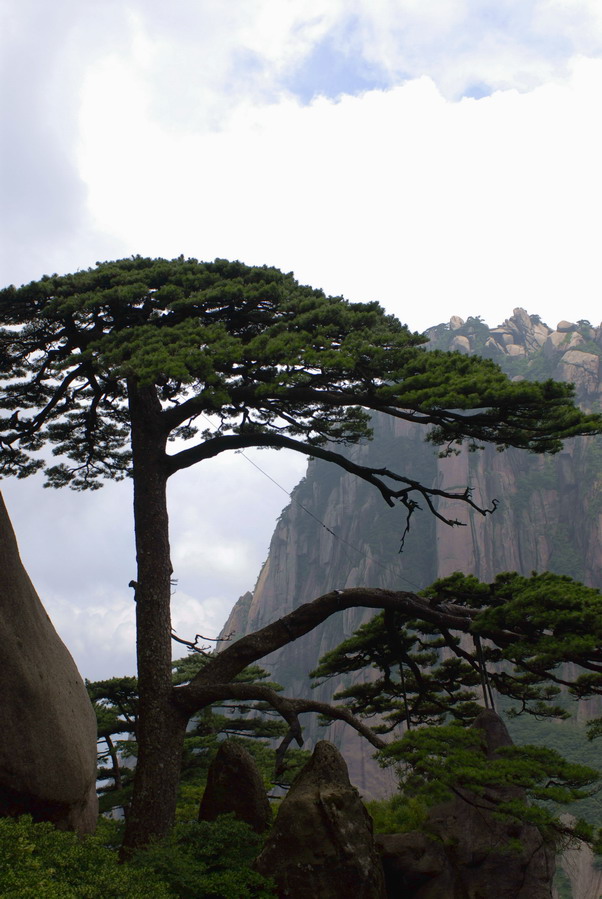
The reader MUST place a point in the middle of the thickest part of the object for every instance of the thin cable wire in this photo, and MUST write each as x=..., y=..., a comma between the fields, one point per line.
x=318, y=520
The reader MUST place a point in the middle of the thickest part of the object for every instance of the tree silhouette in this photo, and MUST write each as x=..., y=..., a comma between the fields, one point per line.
x=109, y=365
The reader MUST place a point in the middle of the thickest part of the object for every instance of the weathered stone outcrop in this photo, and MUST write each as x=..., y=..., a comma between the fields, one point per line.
x=410, y=862
x=234, y=785
x=465, y=850
x=321, y=843
x=48, y=745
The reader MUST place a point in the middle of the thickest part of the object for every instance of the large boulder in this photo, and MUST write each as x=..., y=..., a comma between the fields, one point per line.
x=321, y=843
x=234, y=785
x=48, y=745
x=494, y=730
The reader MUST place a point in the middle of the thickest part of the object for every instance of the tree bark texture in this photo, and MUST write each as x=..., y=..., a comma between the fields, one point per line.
x=161, y=725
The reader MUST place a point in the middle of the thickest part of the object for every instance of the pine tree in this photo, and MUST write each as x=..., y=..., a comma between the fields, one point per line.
x=109, y=365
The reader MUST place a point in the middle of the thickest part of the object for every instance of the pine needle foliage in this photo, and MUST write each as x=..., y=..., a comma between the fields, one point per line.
x=247, y=344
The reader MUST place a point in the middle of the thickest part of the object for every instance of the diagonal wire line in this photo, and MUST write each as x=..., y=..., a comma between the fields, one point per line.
x=319, y=521
x=325, y=526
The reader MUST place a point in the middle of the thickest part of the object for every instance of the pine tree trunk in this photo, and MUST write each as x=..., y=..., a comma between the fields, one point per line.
x=161, y=726
x=115, y=769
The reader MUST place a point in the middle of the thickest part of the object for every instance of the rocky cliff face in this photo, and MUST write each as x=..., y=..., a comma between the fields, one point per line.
x=337, y=532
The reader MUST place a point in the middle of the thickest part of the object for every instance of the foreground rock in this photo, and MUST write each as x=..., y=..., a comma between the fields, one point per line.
x=48, y=746
x=321, y=844
x=465, y=851
x=234, y=785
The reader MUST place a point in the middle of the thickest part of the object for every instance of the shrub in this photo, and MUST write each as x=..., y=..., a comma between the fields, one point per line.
x=36, y=861
x=398, y=814
x=208, y=860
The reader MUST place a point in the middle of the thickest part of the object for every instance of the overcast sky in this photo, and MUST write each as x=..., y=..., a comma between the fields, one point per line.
x=440, y=156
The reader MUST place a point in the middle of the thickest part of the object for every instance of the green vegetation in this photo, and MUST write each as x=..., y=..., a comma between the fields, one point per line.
x=569, y=739
x=532, y=626
x=437, y=763
x=253, y=724
x=398, y=814
x=207, y=860
x=38, y=861
x=535, y=624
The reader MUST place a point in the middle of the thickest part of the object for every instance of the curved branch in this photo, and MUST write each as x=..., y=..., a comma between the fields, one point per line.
x=375, y=476
x=232, y=660
x=289, y=709
x=211, y=693
x=470, y=417
x=338, y=713
x=307, y=395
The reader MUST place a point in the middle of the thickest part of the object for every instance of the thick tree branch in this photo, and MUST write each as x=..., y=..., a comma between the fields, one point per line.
x=289, y=709
x=375, y=476
x=232, y=660
x=248, y=395
x=211, y=693
x=328, y=395
x=337, y=713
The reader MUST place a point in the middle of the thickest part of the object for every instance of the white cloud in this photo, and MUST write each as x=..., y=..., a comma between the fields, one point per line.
x=222, y=515
x=100, y=634
x=191, y=618
x=578, y=22
x=430, y=206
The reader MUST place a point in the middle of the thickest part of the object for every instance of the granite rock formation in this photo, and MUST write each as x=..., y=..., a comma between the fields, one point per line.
x=411, y=861
x=48, y=746
x=234, y=785
x=321, y=843
x=549, y=517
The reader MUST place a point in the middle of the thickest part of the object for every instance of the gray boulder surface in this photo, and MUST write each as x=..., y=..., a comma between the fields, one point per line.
x=48, y=746
x=321, y=844
x=234, y=785
x=494, y=730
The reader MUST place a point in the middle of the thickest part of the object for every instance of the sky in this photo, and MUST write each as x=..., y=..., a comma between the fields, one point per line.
x=440, y=156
